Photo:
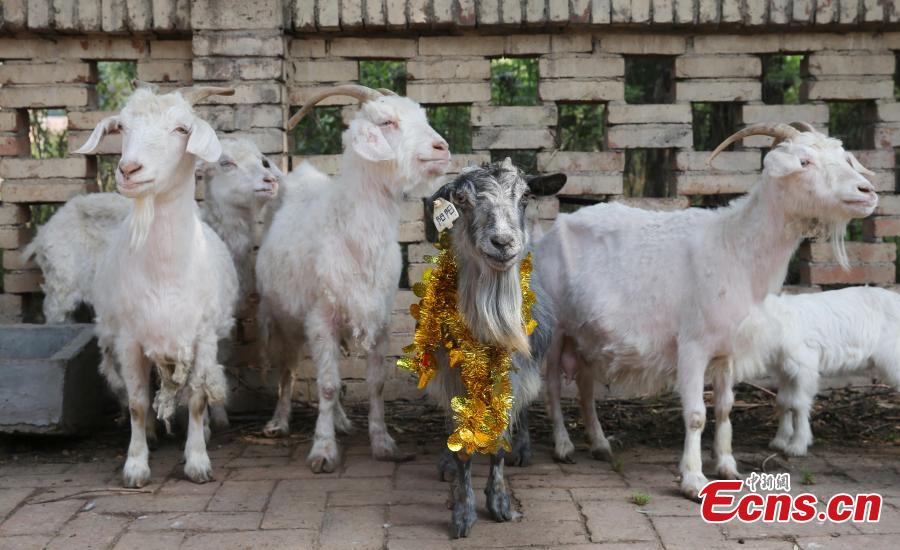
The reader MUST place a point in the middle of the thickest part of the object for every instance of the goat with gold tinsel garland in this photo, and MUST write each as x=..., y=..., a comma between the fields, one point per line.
x=482, y=415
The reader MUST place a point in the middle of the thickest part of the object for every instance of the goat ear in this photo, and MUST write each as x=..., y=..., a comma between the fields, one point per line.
x=106, y=126
x=548, y=184
x=780, y=164
x=368, y=141
x=203, y=142
x=854, y=162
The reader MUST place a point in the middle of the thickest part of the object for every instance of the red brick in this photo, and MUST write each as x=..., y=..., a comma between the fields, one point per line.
x=857, y=274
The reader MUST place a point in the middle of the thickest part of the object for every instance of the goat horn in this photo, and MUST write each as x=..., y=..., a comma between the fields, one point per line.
x=140, y=84
x=361, y=93
x=803, y=126
x=194, y=95
x=780, y=131
x=386, y=91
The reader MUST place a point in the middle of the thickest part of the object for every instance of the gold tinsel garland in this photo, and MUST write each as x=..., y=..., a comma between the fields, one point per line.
x=482, y=415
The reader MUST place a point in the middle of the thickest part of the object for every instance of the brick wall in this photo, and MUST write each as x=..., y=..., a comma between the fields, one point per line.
x=279, y=52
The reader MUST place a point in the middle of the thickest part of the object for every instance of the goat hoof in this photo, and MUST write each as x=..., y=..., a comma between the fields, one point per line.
x=498, y=504
x=384, y=448
x=275, y=428
x=198, y=469
x=778, y=444
x=520, y=455
x=135, y=474
x=691, y=483
x=323, y=457
x=464, y=518
x=726, y=468
x=603, y=453
x=564, y=451
x=794, y=450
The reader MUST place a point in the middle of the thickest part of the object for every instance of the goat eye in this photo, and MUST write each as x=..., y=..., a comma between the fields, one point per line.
x=265, y=163
x=228, y=165
x=387, y=123
x=804, y=162
x=181, y=130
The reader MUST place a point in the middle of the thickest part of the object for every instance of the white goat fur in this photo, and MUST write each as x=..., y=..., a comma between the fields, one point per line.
x=165, y=290
x=801, y=338
x=652, y=298
x=329, y=265
x=68, y=247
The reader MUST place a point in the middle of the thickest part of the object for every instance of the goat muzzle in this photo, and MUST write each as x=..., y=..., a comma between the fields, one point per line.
x=780, y=131
x=356, y=91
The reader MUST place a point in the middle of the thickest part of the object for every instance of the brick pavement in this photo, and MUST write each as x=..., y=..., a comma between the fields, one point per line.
x=265, y=497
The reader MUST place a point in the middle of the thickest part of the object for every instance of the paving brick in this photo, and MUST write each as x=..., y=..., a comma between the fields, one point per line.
x=358, y=526
x=11, y=498
x=262, y=540
x=34, y=519
x=150, y=541
x=89, y=530
x=24, y=542
x=616, y=521
x=149, y=503
x=198, y=521
x=293, y=506
x=241, y=496
x=679, y=534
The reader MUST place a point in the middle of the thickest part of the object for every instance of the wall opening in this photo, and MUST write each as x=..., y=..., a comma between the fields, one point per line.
x=713, y=123
x=377, y=73
x=649, y=173
x=454, y=123
x=319, y=133
x=648, y=79
x=782, y=77
x=514, y=81
x=580, y=126
x=851, y=122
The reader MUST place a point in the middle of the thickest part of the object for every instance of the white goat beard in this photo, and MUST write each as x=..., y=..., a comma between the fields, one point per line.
x=837, y=232
x=494, y=312
x=141, y=219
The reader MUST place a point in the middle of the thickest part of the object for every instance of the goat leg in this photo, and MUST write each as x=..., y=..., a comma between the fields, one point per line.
x=464, y=516
x=495, y=491
x=521, y=448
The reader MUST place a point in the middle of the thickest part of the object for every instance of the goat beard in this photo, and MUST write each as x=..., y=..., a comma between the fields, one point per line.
x=491, y=303
x=141, y=219
x=834, y=232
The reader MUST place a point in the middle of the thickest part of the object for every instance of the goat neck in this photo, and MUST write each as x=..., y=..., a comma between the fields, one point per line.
x=762, y=238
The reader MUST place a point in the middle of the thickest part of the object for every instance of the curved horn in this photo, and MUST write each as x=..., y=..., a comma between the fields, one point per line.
x=780, y=131
x=803, y=126
x=361, y=93
x=140, y=84
x=195, y=94
x=386, y=91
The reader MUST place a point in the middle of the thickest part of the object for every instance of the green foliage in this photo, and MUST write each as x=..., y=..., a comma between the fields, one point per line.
x=649, y=173
x=319, y=133
x=514, y=81
x=114, y=83
x=648, y=79
x=383, y=74
x=581, y=127
x=640, y=498
x=782, y=79
x=618, y=465
x=48, y=140
x=525, y=159
x=807, y=478
x=848, y=122
x=713, y=123
x=106, y=172
x=453, y=122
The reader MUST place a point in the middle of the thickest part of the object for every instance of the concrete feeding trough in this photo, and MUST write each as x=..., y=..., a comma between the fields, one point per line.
x=49, y=383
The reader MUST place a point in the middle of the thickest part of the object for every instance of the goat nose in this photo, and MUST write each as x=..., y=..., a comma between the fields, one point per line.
x=129, y=168
x=269, y=179
x=440, y=145
x=501, y=241
x=865, y=188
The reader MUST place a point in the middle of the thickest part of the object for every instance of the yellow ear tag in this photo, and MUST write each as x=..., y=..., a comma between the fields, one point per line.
x=444, y=214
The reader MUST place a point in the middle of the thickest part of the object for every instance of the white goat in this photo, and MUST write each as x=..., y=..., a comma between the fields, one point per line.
x=489, y=242
x=804, y=337
x=329, y=264
x=68, y=247
x=165, y=291
x=652, y=298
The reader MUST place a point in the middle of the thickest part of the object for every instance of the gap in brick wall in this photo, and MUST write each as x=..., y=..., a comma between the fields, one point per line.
x=648, y=79
x=649, y=173
x=454, y=123
x=852, y=123
x=782, y=78
x=580, y=126
x=106, y=172
x=114, y=83
x=793, y=277
x=713, y=122
x=404, y=273
x=48, y=135
x=897, y=75
x=525, y=159
x=319, y=133
x=514, y=81
x=568, y=204
x=713, y=201
x=383, y=73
